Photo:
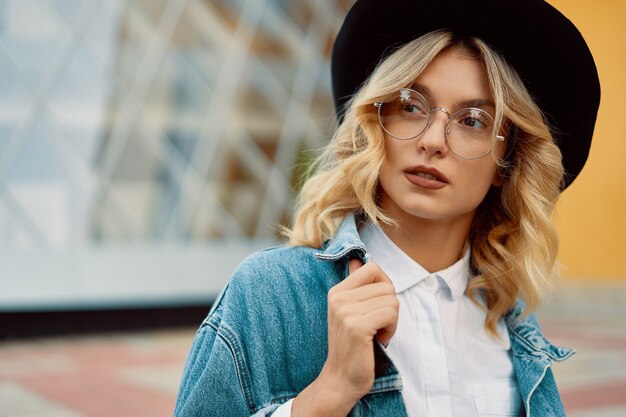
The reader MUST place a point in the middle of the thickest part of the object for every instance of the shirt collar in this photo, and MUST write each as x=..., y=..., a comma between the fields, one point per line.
x=403, y=271
x=456, y=275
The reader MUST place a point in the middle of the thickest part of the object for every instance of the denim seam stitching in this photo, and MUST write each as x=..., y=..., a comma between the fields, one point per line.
x=530, y=345
x=276, y=401
x=532, y=390
x=389, y=383
x=228, y=336
x=282, y=399
x=525, y=342
x=341, y=254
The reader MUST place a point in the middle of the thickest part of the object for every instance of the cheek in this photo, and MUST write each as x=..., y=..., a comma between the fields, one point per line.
x=390, y=169
x=385, y=177
x=481, y=180
x=397, y=152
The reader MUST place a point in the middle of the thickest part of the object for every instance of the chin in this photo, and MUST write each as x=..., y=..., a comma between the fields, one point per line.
x=435, y=213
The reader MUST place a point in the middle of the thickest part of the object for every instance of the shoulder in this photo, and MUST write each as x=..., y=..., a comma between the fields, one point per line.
x=280, y=265
x=279, y=278
x=278, y=258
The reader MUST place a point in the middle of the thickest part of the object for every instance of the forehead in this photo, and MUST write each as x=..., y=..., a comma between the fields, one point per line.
x=455, y=75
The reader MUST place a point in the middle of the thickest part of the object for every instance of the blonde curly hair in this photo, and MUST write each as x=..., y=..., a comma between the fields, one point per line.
x=513, y=242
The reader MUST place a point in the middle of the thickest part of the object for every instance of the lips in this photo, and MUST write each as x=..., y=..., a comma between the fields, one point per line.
x=427, y=172
x=426, y=177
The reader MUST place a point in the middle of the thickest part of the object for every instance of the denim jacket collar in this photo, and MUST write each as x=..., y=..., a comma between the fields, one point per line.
x=527, y=331
x=345, y=241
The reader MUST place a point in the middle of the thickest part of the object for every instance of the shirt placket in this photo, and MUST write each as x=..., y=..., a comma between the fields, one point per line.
x=432, y=342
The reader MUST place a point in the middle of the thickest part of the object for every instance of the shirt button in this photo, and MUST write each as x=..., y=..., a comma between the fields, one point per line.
x=430, y=283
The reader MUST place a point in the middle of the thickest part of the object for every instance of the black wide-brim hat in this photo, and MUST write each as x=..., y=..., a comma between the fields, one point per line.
x=545, y=48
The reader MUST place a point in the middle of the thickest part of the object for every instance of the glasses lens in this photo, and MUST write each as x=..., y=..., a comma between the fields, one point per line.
x=405, y=116
x=470, y=133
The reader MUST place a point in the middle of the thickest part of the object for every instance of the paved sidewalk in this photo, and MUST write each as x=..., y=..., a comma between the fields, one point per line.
x=137, y=375
x=593, y=321
x=98, y=376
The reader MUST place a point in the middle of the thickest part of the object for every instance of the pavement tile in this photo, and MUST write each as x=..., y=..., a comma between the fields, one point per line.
x=160, y=377
x=600, y=412
x=99, y=376
x=18, y=401
x=596, y=395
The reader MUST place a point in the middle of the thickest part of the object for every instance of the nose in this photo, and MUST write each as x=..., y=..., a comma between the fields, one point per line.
x=433, y=140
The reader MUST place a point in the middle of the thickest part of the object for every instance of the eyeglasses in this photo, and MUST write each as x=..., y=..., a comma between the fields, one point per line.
x=469, y=132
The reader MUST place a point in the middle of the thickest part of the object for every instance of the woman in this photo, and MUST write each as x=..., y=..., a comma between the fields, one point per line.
x=424, y=226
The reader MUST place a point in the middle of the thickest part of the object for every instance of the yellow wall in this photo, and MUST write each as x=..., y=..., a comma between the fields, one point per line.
x=592, y=212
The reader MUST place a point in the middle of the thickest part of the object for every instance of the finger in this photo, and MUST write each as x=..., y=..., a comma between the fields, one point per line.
x=383, y=320
x=356, y=310
x=370, y=316
x=366, y=274
x=386, y=321
x=385, y=334
x=354, y=264
x=376, y=303
x=370, y=291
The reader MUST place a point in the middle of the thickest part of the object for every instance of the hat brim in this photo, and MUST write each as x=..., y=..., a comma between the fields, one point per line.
x=545, y=48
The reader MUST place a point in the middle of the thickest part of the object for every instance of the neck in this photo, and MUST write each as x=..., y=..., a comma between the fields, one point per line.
x=435, y=245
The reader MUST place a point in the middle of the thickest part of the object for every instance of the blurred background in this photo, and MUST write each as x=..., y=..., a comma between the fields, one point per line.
x=147, y=146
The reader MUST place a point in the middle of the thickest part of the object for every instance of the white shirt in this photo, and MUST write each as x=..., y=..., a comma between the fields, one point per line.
x=449, y=364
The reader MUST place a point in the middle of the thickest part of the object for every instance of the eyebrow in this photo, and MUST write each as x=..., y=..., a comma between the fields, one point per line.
x=476, y=102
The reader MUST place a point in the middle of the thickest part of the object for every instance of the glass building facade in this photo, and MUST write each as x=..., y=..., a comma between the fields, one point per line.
x=146, y=146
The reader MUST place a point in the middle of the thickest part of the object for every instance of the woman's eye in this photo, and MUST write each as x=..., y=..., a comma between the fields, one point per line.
x=412, y=108
x=474, y=119
x=472, y=122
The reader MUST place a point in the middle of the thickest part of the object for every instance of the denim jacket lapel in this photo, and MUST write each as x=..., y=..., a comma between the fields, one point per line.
x=529, y=338
x=533, y=356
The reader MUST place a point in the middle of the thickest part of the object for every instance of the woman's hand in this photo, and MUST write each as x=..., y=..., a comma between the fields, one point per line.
x=361, y=307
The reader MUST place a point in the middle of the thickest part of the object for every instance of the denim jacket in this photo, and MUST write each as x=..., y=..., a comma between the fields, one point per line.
x=265, y=340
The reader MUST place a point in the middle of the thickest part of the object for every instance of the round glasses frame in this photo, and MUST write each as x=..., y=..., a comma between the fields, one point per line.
x=498, y=138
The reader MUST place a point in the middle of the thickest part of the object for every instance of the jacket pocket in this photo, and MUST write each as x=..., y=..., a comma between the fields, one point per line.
x=498, y=399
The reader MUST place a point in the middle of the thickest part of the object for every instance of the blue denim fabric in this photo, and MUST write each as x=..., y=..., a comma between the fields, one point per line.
x=265, y=340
